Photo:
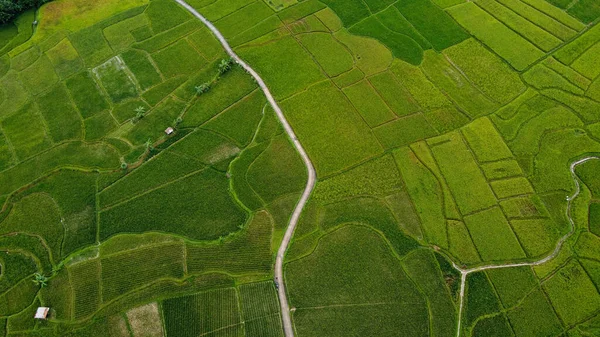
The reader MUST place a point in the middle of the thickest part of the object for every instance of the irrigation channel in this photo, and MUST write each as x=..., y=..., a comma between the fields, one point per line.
x=553, y=254
x=312, y=175
x=285, y=310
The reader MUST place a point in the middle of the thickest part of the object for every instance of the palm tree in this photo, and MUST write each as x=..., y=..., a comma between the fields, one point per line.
x=202, y=88
x=225, y=65
x=40, y=280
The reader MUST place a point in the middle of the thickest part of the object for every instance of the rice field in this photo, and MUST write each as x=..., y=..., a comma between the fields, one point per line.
x=146, y=184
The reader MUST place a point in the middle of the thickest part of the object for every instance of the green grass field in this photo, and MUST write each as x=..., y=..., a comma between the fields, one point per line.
x=441, y=132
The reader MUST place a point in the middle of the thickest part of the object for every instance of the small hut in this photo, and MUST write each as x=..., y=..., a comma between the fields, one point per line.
x=169, y=130
x=42, y=313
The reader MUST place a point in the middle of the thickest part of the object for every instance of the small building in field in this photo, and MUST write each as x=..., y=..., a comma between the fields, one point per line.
x=169, y=130
x=41, y=313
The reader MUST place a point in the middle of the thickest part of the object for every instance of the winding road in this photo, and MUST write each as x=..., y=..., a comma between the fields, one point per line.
x=312, y=175
x=553, y=254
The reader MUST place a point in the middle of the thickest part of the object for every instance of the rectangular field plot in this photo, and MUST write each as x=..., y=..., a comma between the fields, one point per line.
x=334, y=134
x=268, y=326
x=116, y=79
x=426, y=194
x=396, y=96
x=11, y=86
x=85, y=279
x=534, y=317
x=537, y=236
x=501, y=169
x=427, y=95
x=98, y=126
x=519, y=52
x=243, y=19
x=329, y=53
x=493, y=236
x=91, y=45
x=39, y=76
x=485, y=141
x=65, y=59
x=556, y=13
x=588, y=64
x=249, y=252
x=585, y=10
x=465, y=180
x=540, y=19
x=198, y=206
x=369, y=104
x=202, y=314
x=231, y=88
x=568, y=73
x=424, y=270
x=60, y=115
x=259, y=300
x=138, y=63
x=6, y=156
x=486, y=70
x=119, y=36
x=512, y=284
x=572, y=293
x=159, y=170
x=86, y=94
x=164, y=15
x=145, y=321
x=432, y=22
x=575, y=48
x=446, y=77
x=370, y=320
x=541, y=38
x=124, y=272
x=511, y=187
x=404, y=131
x=188, y=59
x=26, y=132
x=291, y=71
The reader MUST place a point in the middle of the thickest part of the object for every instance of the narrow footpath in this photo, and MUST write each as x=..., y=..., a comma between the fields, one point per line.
x=465, y=272
x=312, y=175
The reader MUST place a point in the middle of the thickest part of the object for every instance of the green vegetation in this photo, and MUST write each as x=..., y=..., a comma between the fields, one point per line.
x=335, y=262
x=146, y=183
x=582, y=298
x=290, y=72
x=201, y=313
x=432, y=22
x=330, y=54
x=10, y=9
x=401, y=46
x=493, y=236
x=513, y=48
x=336, y=140
x=465, y=180
x=369, y=104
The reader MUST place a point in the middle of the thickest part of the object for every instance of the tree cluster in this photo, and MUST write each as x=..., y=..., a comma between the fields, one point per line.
x=9, y=9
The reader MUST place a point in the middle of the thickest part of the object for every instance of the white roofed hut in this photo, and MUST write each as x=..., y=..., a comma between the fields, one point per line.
x=169, y=131
x=42, y=313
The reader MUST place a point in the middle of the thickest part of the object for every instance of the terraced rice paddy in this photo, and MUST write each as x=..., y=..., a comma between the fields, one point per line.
x=442, y=133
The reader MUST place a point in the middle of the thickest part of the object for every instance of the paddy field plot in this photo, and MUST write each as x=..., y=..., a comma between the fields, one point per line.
x=441, y=132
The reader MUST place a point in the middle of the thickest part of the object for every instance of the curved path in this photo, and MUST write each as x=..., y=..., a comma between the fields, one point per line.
x=312, y=175
x=553, y=254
